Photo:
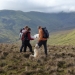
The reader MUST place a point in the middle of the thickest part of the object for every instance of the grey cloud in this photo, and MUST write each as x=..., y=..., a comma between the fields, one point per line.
x=39, y=5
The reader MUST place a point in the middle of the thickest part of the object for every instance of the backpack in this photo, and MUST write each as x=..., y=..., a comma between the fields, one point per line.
x=26, y=36
x=46, y=33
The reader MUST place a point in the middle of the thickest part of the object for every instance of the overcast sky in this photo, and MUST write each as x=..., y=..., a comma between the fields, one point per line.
x=38, y=5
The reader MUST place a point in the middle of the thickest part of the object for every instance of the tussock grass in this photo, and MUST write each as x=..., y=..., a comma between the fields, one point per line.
x=60, y=61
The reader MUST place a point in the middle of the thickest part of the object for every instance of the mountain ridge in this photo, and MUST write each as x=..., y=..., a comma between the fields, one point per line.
x=12, y=21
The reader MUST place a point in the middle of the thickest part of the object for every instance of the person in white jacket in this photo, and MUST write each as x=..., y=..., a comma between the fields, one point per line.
x=25, y=29
x=22, y=31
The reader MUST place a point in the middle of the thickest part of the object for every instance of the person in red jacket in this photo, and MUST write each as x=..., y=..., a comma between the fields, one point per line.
x=26, y=40
x=24, y=30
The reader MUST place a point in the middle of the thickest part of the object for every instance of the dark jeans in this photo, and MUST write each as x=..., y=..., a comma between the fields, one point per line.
x=25, y=44
x=22, y=46
x=44, y=43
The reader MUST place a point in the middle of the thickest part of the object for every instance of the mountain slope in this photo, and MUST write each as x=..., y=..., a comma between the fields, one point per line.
x=63, y=38
x=60, y=61
x=12, y=21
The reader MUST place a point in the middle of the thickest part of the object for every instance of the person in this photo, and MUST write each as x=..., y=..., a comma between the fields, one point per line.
x=24, y=30
x=26, y=40
x=42, y=40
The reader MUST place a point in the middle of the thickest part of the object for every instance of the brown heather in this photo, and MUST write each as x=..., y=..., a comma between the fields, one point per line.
x=60, y=61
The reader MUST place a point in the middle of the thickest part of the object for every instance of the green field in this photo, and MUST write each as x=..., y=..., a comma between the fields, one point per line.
x=62, y=38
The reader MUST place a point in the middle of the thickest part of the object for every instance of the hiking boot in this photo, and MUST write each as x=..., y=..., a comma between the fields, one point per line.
x=20, y=51
x=24, y=51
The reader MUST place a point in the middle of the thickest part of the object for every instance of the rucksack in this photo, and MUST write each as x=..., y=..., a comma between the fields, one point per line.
x=46, y=33
x=26, y=36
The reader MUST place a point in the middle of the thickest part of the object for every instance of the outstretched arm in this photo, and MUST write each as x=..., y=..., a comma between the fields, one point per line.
x=29, y=37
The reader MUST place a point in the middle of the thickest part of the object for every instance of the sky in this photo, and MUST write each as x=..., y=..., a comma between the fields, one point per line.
x=38, y=5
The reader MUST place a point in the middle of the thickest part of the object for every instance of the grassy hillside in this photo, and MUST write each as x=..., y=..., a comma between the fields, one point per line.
x=12, y=21
x=60, y=61
x=62, y=38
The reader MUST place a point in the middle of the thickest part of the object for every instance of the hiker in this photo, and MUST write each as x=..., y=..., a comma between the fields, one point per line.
x=42, y=40
x=22, y=31
x=26, y=40
x=25, y=29
x=22, y=38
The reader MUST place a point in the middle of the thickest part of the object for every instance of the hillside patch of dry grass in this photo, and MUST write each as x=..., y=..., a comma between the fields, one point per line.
x=60, y=61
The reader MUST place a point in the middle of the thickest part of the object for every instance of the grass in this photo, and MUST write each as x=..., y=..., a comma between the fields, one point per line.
x=60, y=61
x=62, y=38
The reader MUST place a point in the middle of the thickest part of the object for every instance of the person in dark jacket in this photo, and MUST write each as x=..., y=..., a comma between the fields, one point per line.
x=26, y=40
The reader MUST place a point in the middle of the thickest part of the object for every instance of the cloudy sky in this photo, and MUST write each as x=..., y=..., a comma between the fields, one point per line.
x=38, y=5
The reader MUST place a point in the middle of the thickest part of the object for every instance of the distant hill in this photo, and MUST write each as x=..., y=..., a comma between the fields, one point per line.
x=12, y=21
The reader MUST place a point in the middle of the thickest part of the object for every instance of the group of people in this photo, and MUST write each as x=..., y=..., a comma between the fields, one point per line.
x=25, y=36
